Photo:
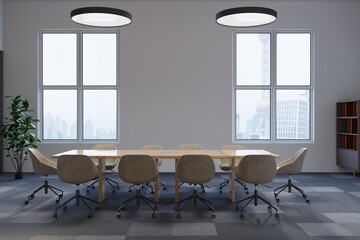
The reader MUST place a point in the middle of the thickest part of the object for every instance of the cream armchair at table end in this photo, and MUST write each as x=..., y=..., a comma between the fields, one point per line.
x=43, y=166
x=292, y=165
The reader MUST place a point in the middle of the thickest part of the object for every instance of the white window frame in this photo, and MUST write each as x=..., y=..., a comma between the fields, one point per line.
x=79, y=87
x=273, y=87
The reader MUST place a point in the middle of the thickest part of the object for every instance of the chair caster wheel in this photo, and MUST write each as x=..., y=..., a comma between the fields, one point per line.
x=26, y=202
x=97, y=208
x=277, y=216
x=164, y=188
x=237, y=208
x=241, y=215
x=55, y=215
x=277, y=199
x=31, y=197
x=57, y=200
x=61, y=195
x=307, y=200
x=113, y=191
x=203, y=191
x=178, y=216
x=220, y=191
x=247, y=192
x=152, y=192
x=117, y=187
x=153, y=215
x=130, y=190
x=123, y=208
x=269, y=209
x=118, y=215
x=90, y=215
x=213, y=215
x=65, y=208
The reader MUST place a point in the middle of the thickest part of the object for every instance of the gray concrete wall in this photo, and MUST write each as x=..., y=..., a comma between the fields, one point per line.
x=176, y=69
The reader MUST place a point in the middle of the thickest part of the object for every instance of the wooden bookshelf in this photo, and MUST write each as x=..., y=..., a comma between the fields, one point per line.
x=347, y=131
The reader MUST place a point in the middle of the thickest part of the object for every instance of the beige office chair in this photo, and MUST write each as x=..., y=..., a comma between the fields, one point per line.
x=151, y=147
x=291, y=166
x=77, y=169
x=225, y=165
x=192, y=147
x=256, y=169
x=43, y=166
x=109, y=166
x=138, y=169
x=195, y=169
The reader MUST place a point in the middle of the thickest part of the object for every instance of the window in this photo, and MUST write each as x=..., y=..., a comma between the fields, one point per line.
x=78, y=85
x=273, y=86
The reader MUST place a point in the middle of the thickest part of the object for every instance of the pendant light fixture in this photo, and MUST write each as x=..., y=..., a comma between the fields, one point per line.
x=101, y=17
x=246, y=16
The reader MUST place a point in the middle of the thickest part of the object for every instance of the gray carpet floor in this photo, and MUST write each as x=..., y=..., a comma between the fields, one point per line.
x=333, y=212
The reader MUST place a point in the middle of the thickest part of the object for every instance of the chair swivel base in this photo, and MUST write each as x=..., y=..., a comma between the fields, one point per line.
x=149, y=186
x=203, y=186
x=46, y=187
x=195, y=197
x=108, y=180
x=78, y=197
x=226, y=182
x=289, y=185
x=138, y=197
x=256, y=198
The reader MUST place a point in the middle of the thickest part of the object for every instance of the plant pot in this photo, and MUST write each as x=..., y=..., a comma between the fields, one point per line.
x=18, y=175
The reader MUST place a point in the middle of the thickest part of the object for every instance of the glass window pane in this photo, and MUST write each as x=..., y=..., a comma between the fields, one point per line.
x=59, y=59
x=252, y=114
x=59, y=114
x=293, y=114
x=100, y=114
x=293, y=59
x=252, y=59
x=99, y=59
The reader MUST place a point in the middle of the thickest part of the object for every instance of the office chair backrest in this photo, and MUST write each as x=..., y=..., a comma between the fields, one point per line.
x=103, y=146
x=256, y=169
x=190, y=147
x=197, y=169
x=231, y=147
x=137, y=169
x=41, y=164
x=152, y=147
x=294, y=164
x=76, y=169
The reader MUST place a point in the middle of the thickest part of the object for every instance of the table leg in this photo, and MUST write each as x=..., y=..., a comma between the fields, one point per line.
x=176, y=185
x=157, y=185
x=232, y=180
x=101, y=183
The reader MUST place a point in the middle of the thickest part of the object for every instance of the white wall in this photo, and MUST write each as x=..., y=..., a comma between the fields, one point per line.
x=176, y=68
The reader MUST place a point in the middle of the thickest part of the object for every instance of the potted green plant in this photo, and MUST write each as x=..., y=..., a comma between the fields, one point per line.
x=17, y=131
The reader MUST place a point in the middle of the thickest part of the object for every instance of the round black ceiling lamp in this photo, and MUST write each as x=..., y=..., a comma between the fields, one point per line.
x=101, y=17
x=246, y=16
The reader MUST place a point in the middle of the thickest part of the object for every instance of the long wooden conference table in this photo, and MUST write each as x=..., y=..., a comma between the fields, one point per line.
x=102, y=155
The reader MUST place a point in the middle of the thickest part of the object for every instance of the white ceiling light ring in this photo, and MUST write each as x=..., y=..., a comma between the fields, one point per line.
x=101, y=17
x=246, y=16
